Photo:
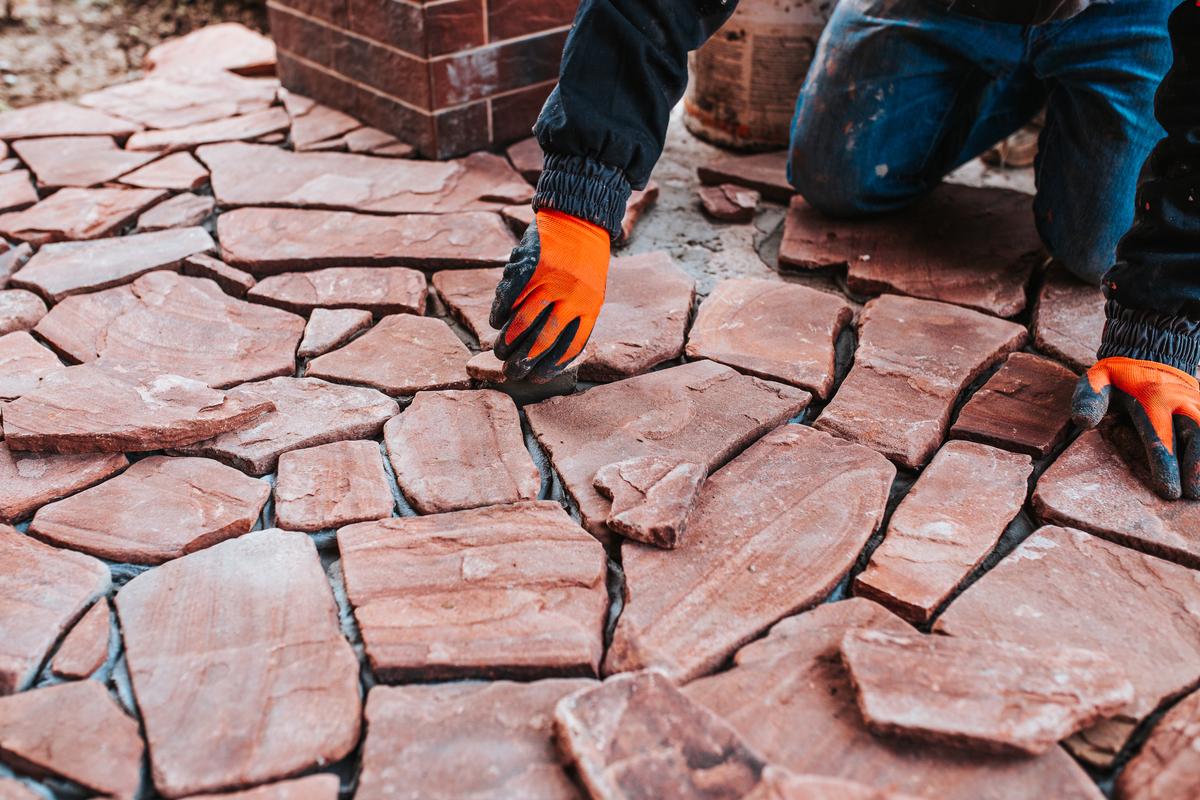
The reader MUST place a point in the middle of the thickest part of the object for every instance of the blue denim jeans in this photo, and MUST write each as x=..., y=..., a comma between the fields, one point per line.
x=901, y=92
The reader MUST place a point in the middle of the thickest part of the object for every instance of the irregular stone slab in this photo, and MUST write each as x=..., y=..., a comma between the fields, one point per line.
x=651, y=498
x=93, y=409
x=331, y=485
x=16, y=191
x=636, y=207
x=1066, y=581
x=85, y=648
x=228, y=45
x=178, y=171
x=30, y=480
x=43, y=591
x=779, y=331
x=468, y=294
x=259, y=175
x=644, y=318
x=984, y=695
x=181, y=211
x=308, y=412
x=943, y=529
x=425, y=588
x=728, y=202
x=323, y=786
x=61, y=119
x=1025, y=407
x=914, y=358
x=488, y=372
x=372, y=141
x=309, y=128
x=74, y=731
x=186, y=97
x=779, y=784
x=73, y=214
x=11, y=259
x=80, y=161
x=239, y=128
x=23, y=362
x=766, y=173
x=486, y=741
x=271, y=654
x=1168, y=766
x=772, y=533
x=702, y=412
x=402, y=354
x=456, y=450
x=791, y=698
x=1068, y=319
x=1100, y=485
x=232, y=281
x=380, y=290
x=518, y=217
x=19, y=310
x=329, y=328
x=158, y=509
x=169, y=323
x=526, y=157
x=59, y=270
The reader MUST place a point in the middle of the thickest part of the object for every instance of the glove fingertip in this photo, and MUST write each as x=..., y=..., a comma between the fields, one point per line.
x=1088, y=406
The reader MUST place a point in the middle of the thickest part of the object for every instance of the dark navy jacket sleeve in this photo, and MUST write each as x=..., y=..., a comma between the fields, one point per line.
x=1153, y=291
x=603, y=127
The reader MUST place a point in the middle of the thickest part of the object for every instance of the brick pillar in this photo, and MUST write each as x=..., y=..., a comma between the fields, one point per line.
x=446, y=76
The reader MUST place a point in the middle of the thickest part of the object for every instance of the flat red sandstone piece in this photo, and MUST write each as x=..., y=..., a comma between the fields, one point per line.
x=779, y=784
x=30, y=480
x=454, y=450
x=914, y=358
x=402, y=354
x=43, y=591
x=729, y=202
x=503, y=591
x=308, y=412
x=266, y=241
x=59, y=270
x=179, y=171
x=526, y=157
x=181, y=211
x=943, y=529
x=780, y=331
x=766, y=173
x=268, y=653
x=90, y=409
x=773, y=532
x=329, y=328
x=1068, y=319
x=61, y=119
x=1057, y=589
x=702, y=412
x=375, y=142
x=486, y=741
x=239, y=128
x=651, y=498
x=19, y=310
x=636, y=207
x=380, y=290
x=227, y=45
x=74, y=731
x=1168, y=766
x=1024, y=407
x=85, y=647
x=790, y=697
x=468, y=294
x=488, y=372
x=77, y=160
x=13, y=789
x=185, y=97
x=23, y=362
x=232, y=281
x=322, y=786
x=313, y=123
x=12, y=259
x=74, y=214
x=331, y=485
x=16, y=191
x=158, y=509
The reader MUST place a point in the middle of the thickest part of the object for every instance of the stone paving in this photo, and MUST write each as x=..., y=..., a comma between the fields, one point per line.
x=272, y=524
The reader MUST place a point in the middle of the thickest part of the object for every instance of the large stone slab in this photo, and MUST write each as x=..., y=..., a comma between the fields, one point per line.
x=158, y=509
x=773, y=532
x=93, y=409
x=61, y=119
x=504, y=591
x=240, y=128
x=181, y=211
x=1058, y=588
x=454, y=450
x=43, y=591
x=402, y=354
x=308, y=412
x=331, y=485
x=59, y=270
x=75, y=214
x=16, y=191
x=943, y=529
x=179, y=171
x=780, y=331
x=23, y=362
x=468, y=294
x=766, y=173
x=485, y=741
x=20, y=310
x=652, y=498
x=260, y=175
x=791, y=698
x=914, y=358
x=183, y=98
x=328, y=329
x=380, y=290
x=81, y=161
x=1168, y=766
x=702, y=412
x=226, y=46
x=85, y=647
x=30, y=480
x=272, y=240
x=1068, y=319
x=268, y=689
x=321, y=786
x=74, y=731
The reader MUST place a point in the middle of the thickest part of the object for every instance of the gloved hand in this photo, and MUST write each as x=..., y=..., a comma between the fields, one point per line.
x=1164, y=405
x=548, y=300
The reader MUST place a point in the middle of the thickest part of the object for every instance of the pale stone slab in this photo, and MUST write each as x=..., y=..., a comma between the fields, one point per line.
x=228, y=45
x=1168, y=766
x=179, y=171
x=23, y=362
x=30, y=480
x=331, y=485
x=322, y=786
x=239, y=128
x=1068, y=319
x=85, y=647
x=61, y=119
x=380, y=290
x=80, y=161
x=328, y=329
x=651, y=498
x=468, y=294
x=19, y=310
x=78, y=214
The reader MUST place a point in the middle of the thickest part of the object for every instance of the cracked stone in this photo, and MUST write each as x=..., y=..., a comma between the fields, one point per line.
x=159, y=509
x=181, y=211
x=514, y=591
x=944, y=528
x=313, y=123
x=228, y=45
x=239, y=128
x=779, y=331
x=766, y=173
x=80, y=161
x=221, y=710
x=455, y=450
x=371, y=141
x=308, y=412
x=380, y=290
x=85, y=648
x=773, y=532
x=43, y=591
x=468, y=294
x=16, y=191
x=232, y=281
x=178, y=171
x=323, y=786
x=328, y=329
x=640, y=201
x=61, y=119
x=486, y=741
x=1168, y=766
x=331, y=485
x=20, y=310
x=186, y=97
x=488, y=372
x=74, y=214
x=1068, y=319
x=907, y=375
x=28, y=481
x=23, y=362
x=729, y=202
x=526, y=157
x=651, y=498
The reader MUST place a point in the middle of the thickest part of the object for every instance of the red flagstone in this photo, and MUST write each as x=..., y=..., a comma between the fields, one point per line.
x=331, y=485
x=16, y=191
x=227, y=45
x=322, y=786
x=61, y=119
x=468, y=294
x=186, y=97
x=526, y=157
x=638, y=204
x=488, y=371
x=331, y=328
x=29, y=481
x=72, y=214
x=179, y=171
x=1068, y=319
x=779, y=784
x=85, y=648
x=181, y=211
x=13, y=789
x=1168, y=766
x=240, y=128
x=232, y=281
x=371, y=141
x=766, y=173
x=380, y=290
x=11, y=259
x=19, y=310
x=729, y=202
x=518, y=217
x=23, y=362
x=313, y=123
x=651, y=498
x=77, y=160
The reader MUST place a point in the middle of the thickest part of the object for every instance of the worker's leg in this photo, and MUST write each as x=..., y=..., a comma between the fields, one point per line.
x=899, y=93
x=1102, y=68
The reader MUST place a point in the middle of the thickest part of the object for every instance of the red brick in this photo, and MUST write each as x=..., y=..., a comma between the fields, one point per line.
x=459, y=131
x=397, y=22
x=334, y=11
x=453, y=26
x=496, y=68
x=508, y=19
x=513, y=114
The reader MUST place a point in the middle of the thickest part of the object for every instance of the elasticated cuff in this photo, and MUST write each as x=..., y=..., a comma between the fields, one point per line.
x=1150, y=336
x=584, y=188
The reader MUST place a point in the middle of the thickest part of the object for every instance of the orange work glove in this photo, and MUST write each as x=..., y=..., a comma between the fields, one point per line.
x=548, y=300
x=1164, y=405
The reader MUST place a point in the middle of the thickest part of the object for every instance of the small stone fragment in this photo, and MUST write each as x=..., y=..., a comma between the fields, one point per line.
x=85, y=648
x=181, y=211
x=372, y=141
x=1068, y=319
x=29, y=481
x=74, y=214
x=242, y=127
x=331, y=328
x=729, y=202
x=12, y=259
x=424, y=588
x=518, y=217
x=16, y=191
x=19, y=310
x=232, y=281
x=468, y=294
x=313, y=123
x=23, y=362
x=526, y=157
x=488, y=372
x=766, y=173
x=641, y=201
x=80, y=161
x=178, y=171
x=322, y=786
x=227, y=45
x=1168, y=766
x=651, y=498
x=380, y=290
x=456, y=450
x=331, y=485
x=61, y=119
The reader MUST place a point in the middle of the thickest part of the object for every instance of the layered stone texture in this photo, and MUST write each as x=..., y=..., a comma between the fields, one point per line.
x=30, y=480
x=74, y=214
x=729, y=202
x=403, y=354
x=23, y=362
x=380, y=290
x=651, y=498
x=1168, y=766
x=331, y=485
x=765, y=173
x=1068, y=319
